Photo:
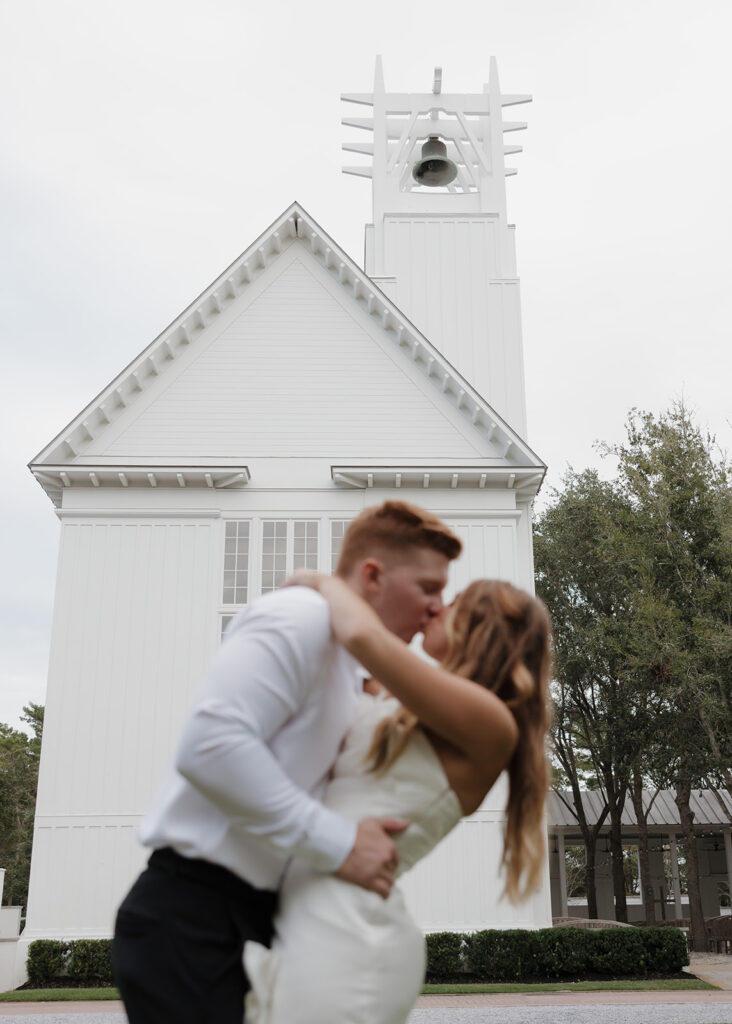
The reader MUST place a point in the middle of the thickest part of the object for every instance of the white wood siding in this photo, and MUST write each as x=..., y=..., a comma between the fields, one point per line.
x=134, y=628
x=298, y=371
x=489, y=549
x=458, y=886
x=451, y=283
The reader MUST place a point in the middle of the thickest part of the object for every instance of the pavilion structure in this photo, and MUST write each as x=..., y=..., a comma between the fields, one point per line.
x=712, y=810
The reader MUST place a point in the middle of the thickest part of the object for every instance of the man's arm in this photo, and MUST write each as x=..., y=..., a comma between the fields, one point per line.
x=258, y=680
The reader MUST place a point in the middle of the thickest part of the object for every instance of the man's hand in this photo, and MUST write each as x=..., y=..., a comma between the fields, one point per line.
x=373, y=858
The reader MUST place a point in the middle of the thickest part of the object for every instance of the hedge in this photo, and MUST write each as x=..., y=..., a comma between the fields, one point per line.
x=83, y=962
x=445, y=954
x=555, y=953
x=505, y=955
x=46, y=961
x=90, y=961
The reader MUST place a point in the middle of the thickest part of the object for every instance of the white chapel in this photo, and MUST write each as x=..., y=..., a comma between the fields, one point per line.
x=296, y=390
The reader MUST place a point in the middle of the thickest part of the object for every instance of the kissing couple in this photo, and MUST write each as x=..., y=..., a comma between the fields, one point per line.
x=321, y=759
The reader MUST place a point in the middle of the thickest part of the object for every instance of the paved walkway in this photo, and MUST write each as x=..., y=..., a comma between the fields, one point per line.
x=577, y=1008
x=569, y=1008
x=712, y=967
x=706, y=1008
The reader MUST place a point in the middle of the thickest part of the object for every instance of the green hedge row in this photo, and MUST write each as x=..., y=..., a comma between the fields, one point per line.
x=511, y=955
x=81, y=962
x=521, y=955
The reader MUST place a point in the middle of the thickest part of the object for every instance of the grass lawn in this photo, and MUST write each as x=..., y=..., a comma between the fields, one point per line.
x=651, y=985
x=44, y=995
x=52, y=995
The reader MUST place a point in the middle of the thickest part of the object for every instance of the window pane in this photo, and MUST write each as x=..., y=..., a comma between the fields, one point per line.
x=274, y=554
x=305, y=547
x=236, y=562
x=337, y=530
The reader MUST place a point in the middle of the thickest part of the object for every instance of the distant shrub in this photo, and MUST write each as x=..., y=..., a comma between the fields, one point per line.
x=47, y=960
x=522, y=955
x=90, y=961
x=82, y=963
x=493, y=955
x=444, y=954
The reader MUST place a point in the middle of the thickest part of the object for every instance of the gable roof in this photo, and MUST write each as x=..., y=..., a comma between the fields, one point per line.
x=71, y=453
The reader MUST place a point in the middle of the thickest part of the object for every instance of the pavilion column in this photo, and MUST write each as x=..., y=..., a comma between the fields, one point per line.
x=727, y=832
x=675, y=873
x=563, y=904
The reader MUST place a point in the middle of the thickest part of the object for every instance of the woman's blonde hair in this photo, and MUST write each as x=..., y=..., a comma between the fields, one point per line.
x=499, y=637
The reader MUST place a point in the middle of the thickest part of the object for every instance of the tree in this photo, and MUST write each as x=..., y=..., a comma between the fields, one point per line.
x=580, y=575
x=637, y=574
x=677, y=533
x=19, y=758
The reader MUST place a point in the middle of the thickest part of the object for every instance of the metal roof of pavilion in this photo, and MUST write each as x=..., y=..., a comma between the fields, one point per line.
x=664, y=813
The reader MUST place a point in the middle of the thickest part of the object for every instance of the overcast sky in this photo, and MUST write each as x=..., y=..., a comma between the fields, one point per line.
x=146, y=144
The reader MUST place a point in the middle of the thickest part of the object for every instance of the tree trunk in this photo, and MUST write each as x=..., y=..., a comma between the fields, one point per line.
x=616, y=853
x=589, y=835
x=698, y=927
x=641, y=817
x=590, y=870
x=616, y=799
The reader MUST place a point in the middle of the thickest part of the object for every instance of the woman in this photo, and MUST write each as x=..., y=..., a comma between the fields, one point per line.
x=427, y=745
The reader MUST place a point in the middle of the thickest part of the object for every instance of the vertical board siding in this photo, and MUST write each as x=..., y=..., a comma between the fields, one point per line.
x=131, y=641
x=80, y=873
x=451, y=285
x=134, y=629
x=458, y=886
x=489, y=551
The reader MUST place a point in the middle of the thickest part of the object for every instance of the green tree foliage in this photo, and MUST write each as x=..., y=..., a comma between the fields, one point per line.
x=19, y=757
x=580, y=574
x=637, y=573
x=677, y=529
x=677, y=532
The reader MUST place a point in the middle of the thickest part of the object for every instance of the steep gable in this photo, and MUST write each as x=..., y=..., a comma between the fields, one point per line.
x=294, y=372
x=292, y=351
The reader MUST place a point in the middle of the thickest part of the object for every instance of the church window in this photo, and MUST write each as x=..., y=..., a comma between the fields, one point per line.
x=259, y=555
x=274, y=555
x=236, y=562
x=338, y=528
x=287, y=545
x=305, y=547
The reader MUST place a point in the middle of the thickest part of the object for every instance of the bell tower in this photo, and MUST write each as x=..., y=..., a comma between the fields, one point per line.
x=444, y=251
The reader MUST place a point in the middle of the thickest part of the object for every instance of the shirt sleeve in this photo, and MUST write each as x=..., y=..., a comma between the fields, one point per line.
x=257, y=681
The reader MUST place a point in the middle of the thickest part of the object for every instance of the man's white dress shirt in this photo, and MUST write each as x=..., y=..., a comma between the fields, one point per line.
x=256, y=749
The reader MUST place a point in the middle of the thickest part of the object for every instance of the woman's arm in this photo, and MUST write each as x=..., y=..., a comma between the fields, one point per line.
x=473, y=719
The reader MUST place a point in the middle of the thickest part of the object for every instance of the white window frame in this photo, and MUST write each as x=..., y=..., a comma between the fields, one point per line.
x=325, y=561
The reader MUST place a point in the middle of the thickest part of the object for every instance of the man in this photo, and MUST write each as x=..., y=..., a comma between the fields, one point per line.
x=242, y=796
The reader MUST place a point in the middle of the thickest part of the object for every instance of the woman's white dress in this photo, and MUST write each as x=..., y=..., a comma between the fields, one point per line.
x=344, y=955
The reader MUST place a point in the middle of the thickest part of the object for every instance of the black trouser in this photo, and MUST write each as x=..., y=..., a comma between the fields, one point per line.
x=179, y=937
